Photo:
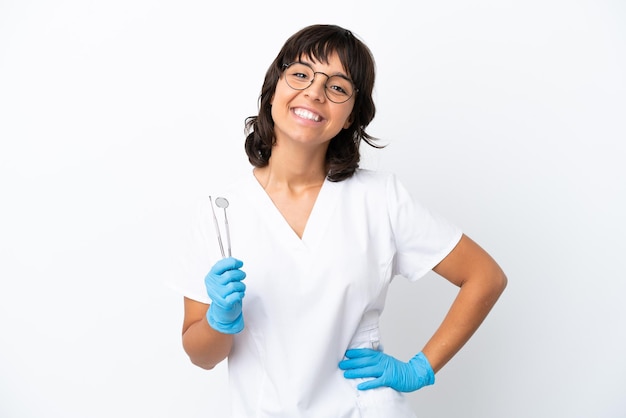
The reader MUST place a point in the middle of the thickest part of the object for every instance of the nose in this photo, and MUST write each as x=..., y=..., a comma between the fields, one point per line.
x=317, y=89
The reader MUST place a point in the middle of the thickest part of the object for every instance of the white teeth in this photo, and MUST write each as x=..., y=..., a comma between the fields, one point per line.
x=307, y=115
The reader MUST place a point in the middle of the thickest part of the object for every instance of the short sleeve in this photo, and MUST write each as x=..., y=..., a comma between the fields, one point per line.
x=194, y=253
x=422, y=238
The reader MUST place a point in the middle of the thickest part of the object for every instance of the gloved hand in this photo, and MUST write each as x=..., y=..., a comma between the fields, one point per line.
x=226, y=290
x=386, y=370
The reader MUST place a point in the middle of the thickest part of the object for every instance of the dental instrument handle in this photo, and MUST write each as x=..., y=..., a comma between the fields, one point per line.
x=227, y=233
x=217, y=228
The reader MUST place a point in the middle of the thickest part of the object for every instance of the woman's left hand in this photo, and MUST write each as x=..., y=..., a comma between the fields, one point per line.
x=387, y=370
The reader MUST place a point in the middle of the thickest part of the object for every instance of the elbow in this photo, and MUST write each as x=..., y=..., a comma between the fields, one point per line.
x=490, y=284
x=199, y=359
x=201, y=356
x=498, y=283
x=502, y=281
x=201, y=364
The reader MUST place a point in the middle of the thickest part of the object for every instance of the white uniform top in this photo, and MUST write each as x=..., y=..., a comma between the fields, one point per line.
x=308, y=300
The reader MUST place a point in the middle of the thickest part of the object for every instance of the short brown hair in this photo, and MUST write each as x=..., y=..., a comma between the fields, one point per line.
x=319, y=42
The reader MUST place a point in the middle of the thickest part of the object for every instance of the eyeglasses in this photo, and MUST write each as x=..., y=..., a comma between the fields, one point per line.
x=338, y=88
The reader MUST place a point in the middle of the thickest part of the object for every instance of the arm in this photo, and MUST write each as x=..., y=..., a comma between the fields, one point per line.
x=205, y=346
x=481, y=282
x=208, y=329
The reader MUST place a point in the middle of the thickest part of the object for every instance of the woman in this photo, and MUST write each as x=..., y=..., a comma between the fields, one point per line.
x=321, y=240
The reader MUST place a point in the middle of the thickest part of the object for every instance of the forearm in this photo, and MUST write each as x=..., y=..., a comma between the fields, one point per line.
x=205, y=346
x=469, y=309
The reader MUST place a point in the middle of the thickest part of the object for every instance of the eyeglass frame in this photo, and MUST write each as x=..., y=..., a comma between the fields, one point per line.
x=355, y=91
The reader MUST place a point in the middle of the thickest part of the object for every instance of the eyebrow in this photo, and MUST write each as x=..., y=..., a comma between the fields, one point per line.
x=310, y=64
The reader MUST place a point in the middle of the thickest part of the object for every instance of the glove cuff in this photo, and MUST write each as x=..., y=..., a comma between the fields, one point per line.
x=233, y=327
x=422, y=365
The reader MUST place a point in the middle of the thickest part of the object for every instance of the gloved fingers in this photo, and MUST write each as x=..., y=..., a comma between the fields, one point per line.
x=358, y=363
x=371, y=384
x=359, y=358
x=220, y=286
x=226, y=277
x=233, y=298
x=233, y=276
x=227, y=299
x=361, y=352
x=234, y=287
x=225, y=264
x=223, y=291
x=364, y=372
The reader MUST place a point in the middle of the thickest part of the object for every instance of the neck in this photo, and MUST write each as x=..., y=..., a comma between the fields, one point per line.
x=293, y=169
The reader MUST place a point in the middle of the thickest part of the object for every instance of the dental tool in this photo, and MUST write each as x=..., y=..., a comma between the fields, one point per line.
x=222, y=202
x=217, y=228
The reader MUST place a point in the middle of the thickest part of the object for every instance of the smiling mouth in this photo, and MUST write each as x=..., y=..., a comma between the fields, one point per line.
x=305, y=114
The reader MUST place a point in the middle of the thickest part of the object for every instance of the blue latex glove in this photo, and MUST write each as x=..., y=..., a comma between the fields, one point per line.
x=386, y=370
x=226, y=290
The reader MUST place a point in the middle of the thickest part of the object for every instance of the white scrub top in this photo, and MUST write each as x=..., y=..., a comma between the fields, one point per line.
x=308, y=300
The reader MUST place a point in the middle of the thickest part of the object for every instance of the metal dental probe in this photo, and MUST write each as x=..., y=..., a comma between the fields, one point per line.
x=217, y=228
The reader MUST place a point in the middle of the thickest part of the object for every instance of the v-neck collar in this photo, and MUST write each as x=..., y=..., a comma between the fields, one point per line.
x=317, y=222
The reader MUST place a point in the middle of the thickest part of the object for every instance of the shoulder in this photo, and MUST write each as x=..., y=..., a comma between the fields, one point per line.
x=381, y=185
x=371, y=178
x=374, y=189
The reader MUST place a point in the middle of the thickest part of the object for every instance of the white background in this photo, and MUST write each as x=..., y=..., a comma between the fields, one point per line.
x=506, y=117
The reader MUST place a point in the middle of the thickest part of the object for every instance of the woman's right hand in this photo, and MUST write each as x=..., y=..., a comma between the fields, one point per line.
x=225, y=288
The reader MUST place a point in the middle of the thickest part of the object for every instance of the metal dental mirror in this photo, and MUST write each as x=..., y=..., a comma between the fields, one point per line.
x=222, y=202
